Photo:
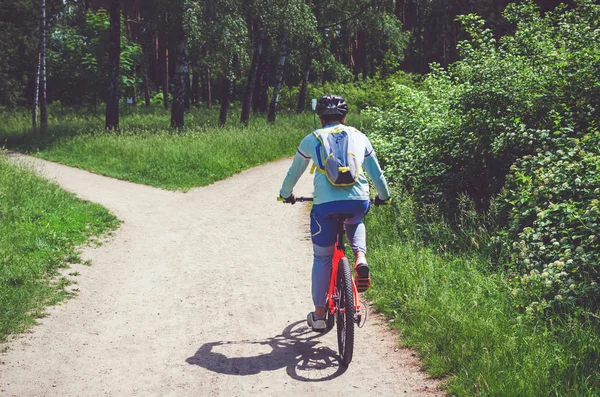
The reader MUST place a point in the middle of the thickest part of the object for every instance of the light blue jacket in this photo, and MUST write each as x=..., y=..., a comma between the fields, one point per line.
x=324, y=191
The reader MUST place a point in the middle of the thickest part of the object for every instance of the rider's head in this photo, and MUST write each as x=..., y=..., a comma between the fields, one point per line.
x=332, y=109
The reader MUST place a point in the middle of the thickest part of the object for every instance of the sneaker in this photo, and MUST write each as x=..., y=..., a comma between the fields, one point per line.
x=317, y=324
x=359, y=259
x=363, y=279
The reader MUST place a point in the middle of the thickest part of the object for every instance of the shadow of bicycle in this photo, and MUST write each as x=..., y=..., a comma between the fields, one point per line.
x=296, y=349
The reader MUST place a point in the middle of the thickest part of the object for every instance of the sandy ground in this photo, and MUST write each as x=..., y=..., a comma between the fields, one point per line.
x=202, y=293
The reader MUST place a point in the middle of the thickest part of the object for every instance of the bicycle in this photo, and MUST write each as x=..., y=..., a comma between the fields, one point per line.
x=343, y=305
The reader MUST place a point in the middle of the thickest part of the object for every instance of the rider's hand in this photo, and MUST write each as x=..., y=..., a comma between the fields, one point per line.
x=379, y=201
x=288, y=200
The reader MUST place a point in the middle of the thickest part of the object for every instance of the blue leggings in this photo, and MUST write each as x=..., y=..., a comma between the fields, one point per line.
x=324, y=232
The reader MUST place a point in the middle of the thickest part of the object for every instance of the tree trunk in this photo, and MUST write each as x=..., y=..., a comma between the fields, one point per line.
x=252, y=74
x=304, y=87
x=114, y=54
x=195, y=88
x=164, y=53
x=205, y=80
x=43, y=110
x=180, y=80
x=156, y=64
x=273, y=108
x=188, y=90
x=225, y=95
x=361, y=66
x=208, y=89
x=261, y=95
x=134, y=97
x=36, y=92
x=146, y=87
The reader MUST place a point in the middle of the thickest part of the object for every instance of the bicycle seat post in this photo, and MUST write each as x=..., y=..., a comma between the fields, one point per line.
x=340, y=218
x=341, y=245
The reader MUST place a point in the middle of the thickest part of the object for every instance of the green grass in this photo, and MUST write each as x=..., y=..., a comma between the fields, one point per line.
x=147, y=151
x=463, y=321
x=40, y=227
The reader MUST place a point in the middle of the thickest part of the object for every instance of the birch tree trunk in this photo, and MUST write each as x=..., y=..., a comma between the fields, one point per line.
x=114, y=55
x=36, y=91
x=252, y=74
x=278, y=79
x=43, y=110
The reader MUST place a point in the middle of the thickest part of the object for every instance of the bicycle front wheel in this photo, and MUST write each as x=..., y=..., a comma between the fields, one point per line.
x=345, y=311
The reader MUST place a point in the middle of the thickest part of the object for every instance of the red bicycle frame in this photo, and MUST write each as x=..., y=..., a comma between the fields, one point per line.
x=338, y=254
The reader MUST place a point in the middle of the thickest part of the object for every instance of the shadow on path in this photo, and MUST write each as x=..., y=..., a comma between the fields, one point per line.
x=296, y=350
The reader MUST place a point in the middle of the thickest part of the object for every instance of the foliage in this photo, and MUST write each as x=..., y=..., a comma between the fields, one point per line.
x=40, y=226
x=227, y=39
x=527, y=107
x=360, y=95
x=78, y=59
x=553, y=224
x=19, y=24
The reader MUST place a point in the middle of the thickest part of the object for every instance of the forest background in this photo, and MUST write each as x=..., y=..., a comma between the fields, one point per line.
x=483, y=113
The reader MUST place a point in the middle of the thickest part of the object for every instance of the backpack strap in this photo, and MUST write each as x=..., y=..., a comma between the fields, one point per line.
x=323, y=154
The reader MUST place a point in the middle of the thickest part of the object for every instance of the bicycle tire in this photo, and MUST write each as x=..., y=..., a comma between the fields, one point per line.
x=345, y=318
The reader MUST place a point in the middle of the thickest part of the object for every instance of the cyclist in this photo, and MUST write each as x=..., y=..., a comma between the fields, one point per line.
x=332, y=199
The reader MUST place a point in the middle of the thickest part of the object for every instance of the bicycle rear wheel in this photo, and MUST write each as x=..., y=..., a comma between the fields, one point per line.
x=345, y=311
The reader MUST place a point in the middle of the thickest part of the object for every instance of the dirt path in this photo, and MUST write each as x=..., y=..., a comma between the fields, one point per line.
x=202, y=293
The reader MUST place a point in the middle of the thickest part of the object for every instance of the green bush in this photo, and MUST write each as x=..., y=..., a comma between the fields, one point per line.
x=552, y=200
x=470, y=123
x=360, y=95
x=520, y=114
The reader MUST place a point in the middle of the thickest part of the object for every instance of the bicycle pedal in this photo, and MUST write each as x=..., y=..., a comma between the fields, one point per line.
x=362, y=284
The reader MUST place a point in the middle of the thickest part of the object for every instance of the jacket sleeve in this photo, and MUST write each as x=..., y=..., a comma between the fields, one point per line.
x=294, y=173
x=371, y=165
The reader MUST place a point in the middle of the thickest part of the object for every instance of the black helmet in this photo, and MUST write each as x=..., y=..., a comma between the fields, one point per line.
x=332, y=104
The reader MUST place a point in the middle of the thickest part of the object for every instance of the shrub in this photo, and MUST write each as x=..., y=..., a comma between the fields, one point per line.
x=553, y=206
x=361, y=94
x=520, y=114
x=470, y=123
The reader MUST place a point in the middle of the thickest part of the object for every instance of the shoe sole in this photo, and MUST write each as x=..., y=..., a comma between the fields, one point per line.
x=363, y=279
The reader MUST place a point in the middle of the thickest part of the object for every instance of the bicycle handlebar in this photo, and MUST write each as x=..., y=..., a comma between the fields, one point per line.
x=301, y=199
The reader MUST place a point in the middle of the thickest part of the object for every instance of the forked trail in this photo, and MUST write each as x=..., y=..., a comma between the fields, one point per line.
x=199, y=293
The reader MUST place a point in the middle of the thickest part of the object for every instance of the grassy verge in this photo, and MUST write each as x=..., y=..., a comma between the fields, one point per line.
x=147, y=151
x=464, y=322
x=40, y=226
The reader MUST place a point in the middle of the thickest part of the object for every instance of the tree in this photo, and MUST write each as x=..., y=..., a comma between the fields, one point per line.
x=294, y=21
x=42, y=68
x=257, y=59
x=181, y=73
x=220, y=27
x=283, y=51
x=114, y=55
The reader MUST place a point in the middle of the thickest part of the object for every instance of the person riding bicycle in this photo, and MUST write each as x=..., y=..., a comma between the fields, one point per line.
x=335, y=198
